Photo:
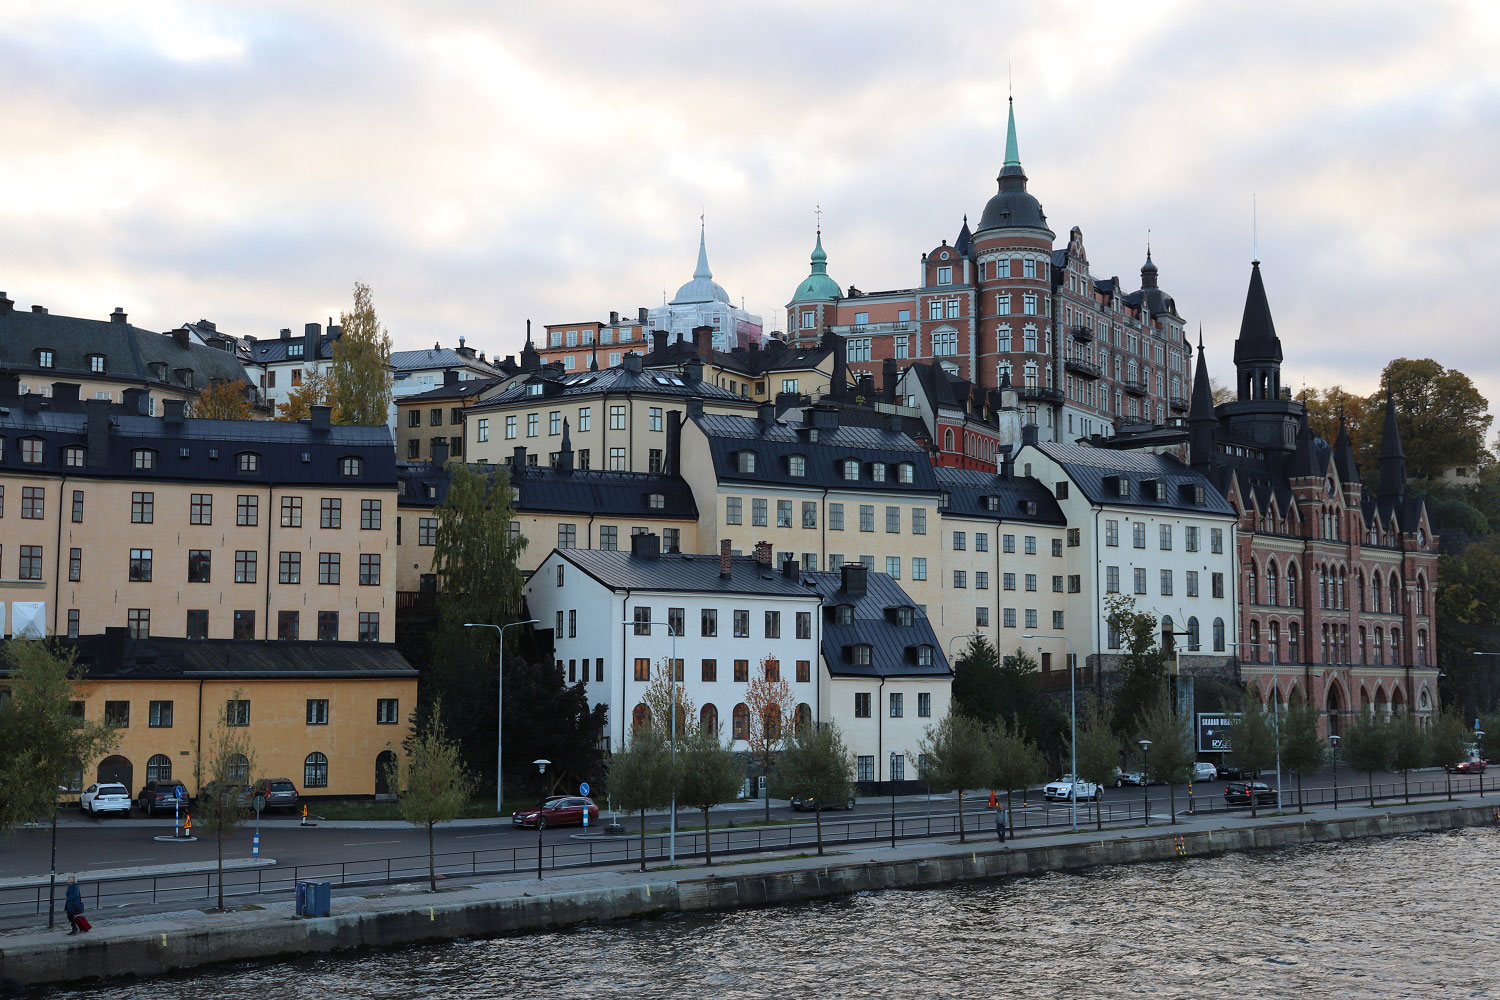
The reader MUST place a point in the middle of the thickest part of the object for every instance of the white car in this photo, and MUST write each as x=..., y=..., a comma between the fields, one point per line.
x=1061, y=790
x=105, y=798
x=1204, y=771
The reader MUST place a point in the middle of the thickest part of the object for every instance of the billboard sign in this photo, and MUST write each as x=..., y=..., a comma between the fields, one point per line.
x=1213, y=731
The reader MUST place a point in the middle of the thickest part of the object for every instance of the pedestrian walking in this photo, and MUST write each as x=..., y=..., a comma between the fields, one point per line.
x=1002, y=819
x=73, y=907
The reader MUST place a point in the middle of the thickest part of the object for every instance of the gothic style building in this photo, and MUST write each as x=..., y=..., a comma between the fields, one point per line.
x=1336, y=583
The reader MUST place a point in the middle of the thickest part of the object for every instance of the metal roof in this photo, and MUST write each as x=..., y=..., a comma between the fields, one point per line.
x=438, y=357
x=1090, y=467
x=609, y=380
x=892, y=646
x=461, y=389
x=774, y=443
x=970, y=491
x=116, y=656
x=684, y=573
x=541, y=489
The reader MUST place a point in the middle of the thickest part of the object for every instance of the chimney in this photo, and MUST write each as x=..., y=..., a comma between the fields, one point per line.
x=1029, y=434
x=658, y=341
x=763, y=553
x=32, y=402
x=39, y=310
x=450, y=377
x=463, y=348
x=321, y=415
x=755, y=345
x=767, y=413
x=118, y=316
x=703, y=340
x=669, y=465
x=692, y=370
x=725, y=560
x=889, y=375
x=311, y=332
x=440, y=451
x=312, y=329
x=65, y=397
x=854, y=579
x=790, y=569
x=695, y=407
x=840, y=379
x=180, y=335
x=10, y=388
x=824, y=417
x=286, y=333
x=893, y=423
x=614, y=317
x=565, y=452
x=135, y=401
x=96, y=431
x=1003, y=457
x=172, y=412
x=640, y=315
x=646, y=545
x=6, y=305
x=632, y=362
x=518, y=458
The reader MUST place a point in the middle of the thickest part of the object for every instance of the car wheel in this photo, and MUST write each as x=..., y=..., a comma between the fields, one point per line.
x=541, y=822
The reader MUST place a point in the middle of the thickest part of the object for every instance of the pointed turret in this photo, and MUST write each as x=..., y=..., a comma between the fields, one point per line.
x=702, y=287
x=565, y=450
x=1304, y=462
x=1012, y=207
x=1201, y=416
x=1012, y=148
x=1392, y=456
x=702, y=270
x=965, y=241
x=1257, y=351
x=1343, y=454
x=817, y=286
x=530, y=359
x=1148, y=270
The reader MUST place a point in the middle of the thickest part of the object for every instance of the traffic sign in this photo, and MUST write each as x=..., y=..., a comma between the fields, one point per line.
x=177, y=790
x=583, y=788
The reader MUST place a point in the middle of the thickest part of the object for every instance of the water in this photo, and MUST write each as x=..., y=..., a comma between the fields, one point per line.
x=1389, y=918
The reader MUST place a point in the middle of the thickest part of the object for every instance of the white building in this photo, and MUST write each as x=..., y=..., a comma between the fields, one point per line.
x=704, y=302
x=280, y=365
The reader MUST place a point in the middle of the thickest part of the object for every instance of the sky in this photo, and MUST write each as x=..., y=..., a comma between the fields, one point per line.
x=479, y=164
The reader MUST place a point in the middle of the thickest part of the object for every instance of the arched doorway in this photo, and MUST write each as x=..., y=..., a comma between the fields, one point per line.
x=1382, y=709
x=115, y=768
x=1335, y=706
x=1398, y=701
x=384, y=762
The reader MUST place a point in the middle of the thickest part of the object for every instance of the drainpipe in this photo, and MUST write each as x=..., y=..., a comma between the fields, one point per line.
x=62, y=493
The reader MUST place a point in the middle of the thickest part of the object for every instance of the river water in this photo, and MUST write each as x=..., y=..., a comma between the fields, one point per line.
x=1390, y=918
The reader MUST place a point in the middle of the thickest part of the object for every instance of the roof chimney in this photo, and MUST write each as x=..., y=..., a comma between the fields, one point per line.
x=135, y=401
x=614, y=317
x=889, y=375
x=118, y=316
x=450, y=377
x=39, y=310
x=703, y=340
x=65, y=397
x=1029, y=434
x=767, y=413
x=10, y=388
x=632, y=362
x=790, y=568
x=763, y=553
x=172, y=411
x=670, y=462
x=321, y=416
x=725, y=559
x=854, y=579
x=6, y=305
x=692, y=370
x=640, y=315
x=286, y=333
x=658, y=341
x=518, y=458
x=96, y=431
x=646, y=545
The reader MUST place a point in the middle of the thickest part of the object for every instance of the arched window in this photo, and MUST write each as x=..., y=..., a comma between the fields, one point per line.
x=708, y=718
x=1255, y=641
x=948, y=440
x=1219, y=636
x=1395, y=595
x=239, y=769
x=1293, y=590
x=1421, y=595
x=1325, y=644
x=1275, y=642
x=739, y=727
x=1364, y=645
x=1396, y=651
x=639, y=718
x=315, y=771
x=1168, y=640
x=1343, y=588
x=1322, y=587
x=804, y=718
x=1375, y=597
x=1379, y=644
x=1273, y=596
x=1359, y=585
x=1252, y=582
x=1193, y=635
x=159, y=768
x=1293, y=643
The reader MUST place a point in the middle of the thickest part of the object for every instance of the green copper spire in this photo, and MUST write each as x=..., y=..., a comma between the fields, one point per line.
x=819, y=257
x=1012, y=152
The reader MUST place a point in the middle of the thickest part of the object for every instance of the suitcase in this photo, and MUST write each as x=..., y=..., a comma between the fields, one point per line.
x=82, y=922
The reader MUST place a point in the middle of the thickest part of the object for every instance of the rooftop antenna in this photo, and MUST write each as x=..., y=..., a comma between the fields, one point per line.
x=1254, y=231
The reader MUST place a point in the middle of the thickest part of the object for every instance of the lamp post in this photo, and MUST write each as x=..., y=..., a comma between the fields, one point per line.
x=541, y=821
x=951, y=640
x=500, y=704
x=1275, y=713
x=1479, y=735
x=1145, y=746
x=671, y=732
x=1333, y=740
x=1073, y=715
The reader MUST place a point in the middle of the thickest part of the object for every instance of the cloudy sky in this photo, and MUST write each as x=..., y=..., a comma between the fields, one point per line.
x=482, y=163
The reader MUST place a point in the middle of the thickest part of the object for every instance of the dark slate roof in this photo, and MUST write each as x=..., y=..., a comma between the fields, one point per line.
x=129, y=352
x=969, y=492
x=1090, y=467
x=117, y=656
x=541, y=489
x=941, y=388
x=683, y=573
x=892, y=652
x=289, y=453
x=265, y=352
x=609, y=380
x=461, y=389
x=437, y=357
x=1257, y=340
x=773, y=443
x=775, y=356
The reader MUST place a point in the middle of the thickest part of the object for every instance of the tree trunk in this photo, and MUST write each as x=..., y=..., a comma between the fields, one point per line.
x=1098, y=804
x=1405, y=787
x=1448, y=780
x=220, y=841
x=961, y=837
x=765, y=769
x=818, y=822
x=708, y=845
x=1172, y=801
x=643, y=838
x=1010, y=817
x=1253, y=812
x=432, y=861
x=1300, y=807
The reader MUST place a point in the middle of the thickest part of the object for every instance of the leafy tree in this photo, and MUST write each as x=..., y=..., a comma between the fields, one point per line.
x=1325, y=407
x=1171, y=758
x=225, y=769
x=1447, y=744
x=1222, y=392
x=660, y=694
x=316, y=390
x=977, y=683
x=1366, y=746
x=708, y=774
x=362, y=364
x=546, y=717
x=818, y=765
x=1408, y=749
x=1098, y=755
x=222, y=401
x=640, y=776
x=1142, y=662
x=954, y=756
x=431, y=782
x=1442, y=417
x=1018, y=764
x=1302, y=749
x=773, y=712
x=1252, y=740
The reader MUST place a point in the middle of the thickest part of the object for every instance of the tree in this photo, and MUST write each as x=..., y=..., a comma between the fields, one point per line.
x=640, y=776
x=1142, y=662
x=1171, y=757
x=707, y=774
x=661, y=693
x=225, y=769
x=773, y=711
x=1018, y=764
x=362, y=364
x=1252, y=740
x=1366, y=747
x=1302, y=749
x=1408, y=749
x=818, y=765
x=431, y=782
x=1361, y=419
x=1442, y=417
x=1098, y=755
x=1447, y=744
x=222, y=400
x=1221, y=392
x=316, y=390
x=954, y=756
x=546, y=717
x=977, y=682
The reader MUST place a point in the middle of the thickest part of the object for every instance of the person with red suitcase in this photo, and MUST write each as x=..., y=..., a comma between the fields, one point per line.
x=74, y=907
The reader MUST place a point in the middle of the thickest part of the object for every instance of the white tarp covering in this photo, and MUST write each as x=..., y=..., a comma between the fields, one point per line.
x=28, y=619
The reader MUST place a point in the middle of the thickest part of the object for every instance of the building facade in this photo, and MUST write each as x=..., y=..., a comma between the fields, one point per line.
x=701, y=301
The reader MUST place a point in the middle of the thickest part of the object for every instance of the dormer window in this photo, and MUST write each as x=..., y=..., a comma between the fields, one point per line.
x=247, y=462
x=1160, y=490
x=902, y=617
x=1198, y=496
x=73, y=456
x=31, y=451
x=992, y=504
x=534, y=389
x=796, y=466
x=350, y=467
x=656, y=501
x=44, y=358
x=851, y=469
x=96, y=362
x=746, y=461
x=859, y=654
x=1124, y=487
x=923, y=656
x=1028, y=506
x=904, y=472
x=143, y=459
x=294, y=350
x=877, y=471
x=841, y=614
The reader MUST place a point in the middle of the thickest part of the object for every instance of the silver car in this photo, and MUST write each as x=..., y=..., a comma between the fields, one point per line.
x=1204, y=771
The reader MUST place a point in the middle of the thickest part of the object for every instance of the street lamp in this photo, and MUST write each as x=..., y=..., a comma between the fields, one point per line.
x=1145, y=746
x=672, y=732
x=1333, y=739
x=951, y=640
x=541, y=821
x=500, y=703
x=1275, y=714
x=1073, y=714
x=1479, y=735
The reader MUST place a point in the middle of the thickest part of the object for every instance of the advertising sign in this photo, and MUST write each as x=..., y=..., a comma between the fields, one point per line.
x=1213, y=731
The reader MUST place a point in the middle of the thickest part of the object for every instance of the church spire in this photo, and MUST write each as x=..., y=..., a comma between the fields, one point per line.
x=1343, y=453
x=1257, y=350
x=702, y=271
x=1201, y=417
x=1012, y=148
x=1392, y=455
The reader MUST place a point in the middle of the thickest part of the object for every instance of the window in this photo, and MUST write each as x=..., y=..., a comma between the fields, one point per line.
x=1190, y=538
x=945, y=342
x=758, y=512
x=138, y=621
x=1193, y=635
x=1111, y=579
x=369, y=626
x=1216, y=540
x=1218, y=584
x=247, y=510
x=369, y=569
x=201, y=509
x=248, y=462
x=804, y=625
x=918, y=568
x=567, y=536
x=1166, y=583
x=1140, y=580
x=617, y=418
x=866, y=517
x=1008, y=543
x=1138, y=534
x=585, y=418
x=77, y=505
x=1191, y=583
x=959, y=541
x=317, y=711
x=836, y=517
x=617, y=459
x=1031, y=617
x=33, y=502
x=708, y=622
x=329, y=567
x=960, y=579
x=328, y=626
x=387, y=711
x=773, y=624
x=1031, y=582
x=783, y=513
x=809, y=515
x=510, y=428
x=117, y=714
x=331, y=512
x=609, y=538
x=288, y=626
x=142, y=508
x=350, y=467
x=369, y=515
x=893, y=520
x=981, y=617
x=291, y=512
x=140, y=565
x=1219, y=635
x=734, y=510
x=315, y=771
x=143, y=459
x=244, y=625
x=554, y=423
x=893, y=567
x=898, y=708
x=945, y=275
x=862, y=705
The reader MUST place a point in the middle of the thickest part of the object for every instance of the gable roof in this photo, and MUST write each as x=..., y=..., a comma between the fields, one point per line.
x=970, y=490
x=541, y=489
x=891, y=645
x=116, y=656
x=619, y=380
x=1089, y=468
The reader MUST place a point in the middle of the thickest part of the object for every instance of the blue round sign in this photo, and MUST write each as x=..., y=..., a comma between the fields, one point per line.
x=583, y=788
x=177, y=791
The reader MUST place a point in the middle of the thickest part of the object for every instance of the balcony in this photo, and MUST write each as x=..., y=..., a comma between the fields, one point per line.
x=1082, y=333
x=1038, y=393
x=1134, y=386
x=1178, y=403
x=1078, y=366
x=865, y=329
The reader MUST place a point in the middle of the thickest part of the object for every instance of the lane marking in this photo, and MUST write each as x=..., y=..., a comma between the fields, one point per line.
x=372, y=843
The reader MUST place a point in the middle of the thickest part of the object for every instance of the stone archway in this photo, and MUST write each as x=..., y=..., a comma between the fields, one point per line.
x=1334, y=703
x=1398, y=700
x=384, y=761
x=115, y=768
x=1382, y=708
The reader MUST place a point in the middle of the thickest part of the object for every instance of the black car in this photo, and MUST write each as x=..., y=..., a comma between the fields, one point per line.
x=1239, y=794
x=159, y=796
x=801, y=802
x=1237, y=773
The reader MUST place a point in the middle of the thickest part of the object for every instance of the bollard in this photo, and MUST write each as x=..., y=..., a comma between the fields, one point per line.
x=304, y=814
x=255, y=845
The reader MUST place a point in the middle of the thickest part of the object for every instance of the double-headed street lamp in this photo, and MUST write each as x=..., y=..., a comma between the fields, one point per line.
x=541, y=820
x=672, y=732
x=1145, y=746
x=1333, y=740
x=1073, y=714
x=500, y=704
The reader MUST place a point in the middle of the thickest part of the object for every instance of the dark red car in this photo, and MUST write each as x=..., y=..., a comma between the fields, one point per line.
x=559, y=810
x=1473, y=765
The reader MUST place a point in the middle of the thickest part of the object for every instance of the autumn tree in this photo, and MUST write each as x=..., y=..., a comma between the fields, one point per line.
x=1302, y=749
x=1408, y=749
x=1170, y=759
x=660, y=694
x=222, y=400
x=362, y=364
x=1326, y=406
x=1017, y=763
x=431, y=782
x=1252, y=740
x=226, y=766
x=708, y=774
x=1098, y=755
x=1366, y=746
x=955, y=756
x=641, y=775
x=818, y=764
x=316, y=390
x=1442, y=417
x=773, y=711
x=1447, y=744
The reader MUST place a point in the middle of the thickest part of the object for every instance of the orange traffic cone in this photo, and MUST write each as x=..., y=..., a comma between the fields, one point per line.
x=993, y=802
x=304, y=814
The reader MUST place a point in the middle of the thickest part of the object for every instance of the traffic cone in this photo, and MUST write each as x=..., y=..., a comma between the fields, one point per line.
x=304, y=814
x=994, y=803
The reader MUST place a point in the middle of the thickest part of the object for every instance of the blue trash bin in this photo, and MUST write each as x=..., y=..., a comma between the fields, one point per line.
x=321, y=902
x=302, y=897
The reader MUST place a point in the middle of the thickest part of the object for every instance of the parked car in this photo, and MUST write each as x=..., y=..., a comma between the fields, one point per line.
x=1239, y=794
x=1061, y=790
x=1474, y=765
x=244, y=794
x=801, y=802
x=1204, y=771
x=1123, y=778
x=1227, y=770
x=159, y=796
x=279, y=793
x=559, y=810
x=99, y=799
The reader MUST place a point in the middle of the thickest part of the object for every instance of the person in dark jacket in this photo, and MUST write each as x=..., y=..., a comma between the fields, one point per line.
x=74, y=905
